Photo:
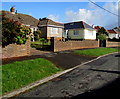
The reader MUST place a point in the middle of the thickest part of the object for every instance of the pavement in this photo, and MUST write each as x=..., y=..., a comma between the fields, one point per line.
x=93, y=80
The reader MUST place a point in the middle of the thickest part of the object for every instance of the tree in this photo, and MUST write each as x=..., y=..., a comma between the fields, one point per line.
x=102, y=34
x=13, y=32
x=102, y=37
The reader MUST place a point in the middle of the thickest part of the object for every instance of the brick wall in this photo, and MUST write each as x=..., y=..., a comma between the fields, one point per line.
x=69, y=45
x=112, y=44
x=14, y=50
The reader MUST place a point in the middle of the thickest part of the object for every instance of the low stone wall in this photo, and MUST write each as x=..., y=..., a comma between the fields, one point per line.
x=112, y=44
x=14, y=50
x=69, y=45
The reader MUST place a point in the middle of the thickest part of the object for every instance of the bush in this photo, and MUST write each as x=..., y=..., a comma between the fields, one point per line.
x=43, y=40
x=41, y=43
x=13, y=32
x=37, y=35
x=102, y=34
x=102, y=37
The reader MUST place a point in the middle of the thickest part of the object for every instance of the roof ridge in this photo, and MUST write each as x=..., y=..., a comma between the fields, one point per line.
x=73, y=22
x=83, y=24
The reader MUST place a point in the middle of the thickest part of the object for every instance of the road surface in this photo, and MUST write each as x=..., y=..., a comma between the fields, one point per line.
x=93, y=79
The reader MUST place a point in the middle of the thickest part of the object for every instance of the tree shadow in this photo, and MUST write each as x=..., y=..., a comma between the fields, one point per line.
x=108, y=71
x=111, y=89
x=117, y=55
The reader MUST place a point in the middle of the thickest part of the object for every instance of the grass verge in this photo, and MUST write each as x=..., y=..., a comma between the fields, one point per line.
x=19, y=74
x=96, y=52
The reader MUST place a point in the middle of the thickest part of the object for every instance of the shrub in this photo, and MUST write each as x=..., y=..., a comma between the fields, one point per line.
x=13, y=32
x=102, y=34
x=37, y=35
x=102, y=37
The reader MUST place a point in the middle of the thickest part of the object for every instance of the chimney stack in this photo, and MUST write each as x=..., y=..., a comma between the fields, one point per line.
x=12, y=10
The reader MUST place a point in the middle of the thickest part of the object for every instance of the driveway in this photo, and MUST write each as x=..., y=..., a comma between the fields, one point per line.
x=92, y=80
x=64, y=59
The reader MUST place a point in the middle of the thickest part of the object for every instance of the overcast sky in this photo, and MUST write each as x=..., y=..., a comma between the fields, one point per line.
x=69, y=11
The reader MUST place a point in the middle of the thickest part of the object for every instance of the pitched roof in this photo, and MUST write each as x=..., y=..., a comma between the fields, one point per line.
x=112, y=31
x=77, y=25
x=22, y=18
x=46, y=22
x=99, y=27
x=117, y=30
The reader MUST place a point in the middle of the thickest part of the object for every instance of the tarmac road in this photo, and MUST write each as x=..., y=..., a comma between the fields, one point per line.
x=96, y=79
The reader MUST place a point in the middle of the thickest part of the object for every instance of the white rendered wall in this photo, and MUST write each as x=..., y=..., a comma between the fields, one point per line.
x=111, y=36
x=54, y=32
x=89, y=34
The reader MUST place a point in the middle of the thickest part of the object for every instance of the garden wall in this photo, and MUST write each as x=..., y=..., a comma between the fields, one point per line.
x=112, y=44
x=14, y=50
x=69, y=45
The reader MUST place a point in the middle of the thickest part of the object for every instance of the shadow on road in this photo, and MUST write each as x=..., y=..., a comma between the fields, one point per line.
x=117, y=55
x=108, y=71
x=110, y=90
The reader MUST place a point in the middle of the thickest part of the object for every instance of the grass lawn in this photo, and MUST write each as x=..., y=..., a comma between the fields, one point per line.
x=96, y=52
x=38, y=44
x=18, y=74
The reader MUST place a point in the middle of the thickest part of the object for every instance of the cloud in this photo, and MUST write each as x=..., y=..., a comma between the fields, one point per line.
x=95, y=15
x=53, y=17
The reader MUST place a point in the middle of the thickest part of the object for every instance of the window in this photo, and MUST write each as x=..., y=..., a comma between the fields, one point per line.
x=76, y=32
x=71, y=24
x=54, y=30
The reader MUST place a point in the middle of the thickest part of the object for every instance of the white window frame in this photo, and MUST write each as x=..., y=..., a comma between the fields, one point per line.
x=54, y=30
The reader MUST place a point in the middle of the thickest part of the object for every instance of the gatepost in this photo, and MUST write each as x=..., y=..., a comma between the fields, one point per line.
x=52, y=43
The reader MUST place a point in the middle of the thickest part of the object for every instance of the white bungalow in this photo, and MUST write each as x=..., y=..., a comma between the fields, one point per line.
x=79, y=30
x=113, y=34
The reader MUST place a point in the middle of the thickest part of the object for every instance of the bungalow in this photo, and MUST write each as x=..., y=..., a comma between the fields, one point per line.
x=113, y=34
x=24, y=19
x=50, y=28
x=98, y=28
x=79, y=30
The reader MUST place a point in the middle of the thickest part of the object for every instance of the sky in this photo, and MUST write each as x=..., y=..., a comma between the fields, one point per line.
x=69, y=11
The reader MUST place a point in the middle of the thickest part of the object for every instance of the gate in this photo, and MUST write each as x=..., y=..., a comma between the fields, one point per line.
x=102, y=43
